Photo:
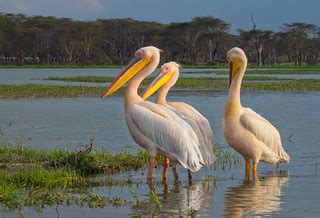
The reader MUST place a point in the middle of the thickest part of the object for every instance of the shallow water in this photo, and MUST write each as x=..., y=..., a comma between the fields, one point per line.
x=291, y=192
x=36, y=76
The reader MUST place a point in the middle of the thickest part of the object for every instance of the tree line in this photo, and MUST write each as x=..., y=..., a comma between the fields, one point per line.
x=202, y=40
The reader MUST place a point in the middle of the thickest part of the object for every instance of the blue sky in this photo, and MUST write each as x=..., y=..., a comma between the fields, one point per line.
x=268, y=14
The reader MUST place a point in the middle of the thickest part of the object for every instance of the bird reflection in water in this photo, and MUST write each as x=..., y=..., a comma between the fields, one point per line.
x=258, y=198
x=180, y=199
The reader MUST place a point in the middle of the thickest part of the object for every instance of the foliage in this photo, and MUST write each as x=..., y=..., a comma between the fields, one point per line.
x=40, y=40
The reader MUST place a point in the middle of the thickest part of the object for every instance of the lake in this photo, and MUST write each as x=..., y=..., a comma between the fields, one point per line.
x=36, y=76
x=285, y=191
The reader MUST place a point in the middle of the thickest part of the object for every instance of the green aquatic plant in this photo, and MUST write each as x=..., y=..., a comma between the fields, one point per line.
x=155, y=199
x=31, y=91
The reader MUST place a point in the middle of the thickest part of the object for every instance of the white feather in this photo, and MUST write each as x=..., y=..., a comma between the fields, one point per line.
x=201, y=126
x=172, y=135
x=266, y=133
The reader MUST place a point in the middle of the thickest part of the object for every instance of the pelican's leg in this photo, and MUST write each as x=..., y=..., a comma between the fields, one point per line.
x=166, y=163
x=165, y=186
x=189, y=177
x=174, y=170
x=152, y=162
x=254, y=171
x=247, y=168
x=151, y=185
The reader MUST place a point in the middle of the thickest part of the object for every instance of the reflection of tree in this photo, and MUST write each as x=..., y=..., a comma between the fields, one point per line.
x=262, y=197
x=181, y=199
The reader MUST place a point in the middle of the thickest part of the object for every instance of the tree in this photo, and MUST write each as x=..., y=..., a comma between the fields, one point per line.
x=297, y=35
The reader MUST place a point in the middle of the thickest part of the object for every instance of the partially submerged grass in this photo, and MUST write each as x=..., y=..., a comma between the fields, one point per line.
x=34, y=91
x=265, y=83
x=36, y=178
x=94, y=162
x=89, y=79
x=30, y=91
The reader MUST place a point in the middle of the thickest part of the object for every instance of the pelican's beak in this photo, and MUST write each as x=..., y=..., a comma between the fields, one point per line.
x=156, y=84
x=135, y=65
x=234, y=66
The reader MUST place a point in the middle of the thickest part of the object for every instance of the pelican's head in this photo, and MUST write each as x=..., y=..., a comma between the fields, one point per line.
x=236, y=58
x=142, y=58
x=169, y=74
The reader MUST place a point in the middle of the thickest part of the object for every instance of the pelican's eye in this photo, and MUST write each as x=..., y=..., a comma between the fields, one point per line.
x=139, y=54
x=166, y=70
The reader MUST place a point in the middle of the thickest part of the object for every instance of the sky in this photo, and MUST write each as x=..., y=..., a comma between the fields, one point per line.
x=268, y=14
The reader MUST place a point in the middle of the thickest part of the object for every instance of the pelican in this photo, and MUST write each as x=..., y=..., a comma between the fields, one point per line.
x=247, y=132
x=166, y=79
x=152, y=126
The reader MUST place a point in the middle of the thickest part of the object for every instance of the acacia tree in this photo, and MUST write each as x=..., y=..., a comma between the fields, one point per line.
x=211, y=31
x=49, y=40
x=257, y=38
x=297, y=35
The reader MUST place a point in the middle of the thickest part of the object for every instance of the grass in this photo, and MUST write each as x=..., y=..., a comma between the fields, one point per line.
x=37, y=178
x=35, y=91
x=94, y=162
x=31, y=91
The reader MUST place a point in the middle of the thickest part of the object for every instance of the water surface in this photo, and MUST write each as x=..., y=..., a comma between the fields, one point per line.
x=287, y=191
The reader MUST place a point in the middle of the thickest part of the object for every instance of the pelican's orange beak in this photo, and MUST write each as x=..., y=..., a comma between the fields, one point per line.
x=135, y=65
x=156, y=84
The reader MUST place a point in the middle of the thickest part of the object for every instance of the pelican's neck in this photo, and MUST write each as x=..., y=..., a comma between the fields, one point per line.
x=233, y=101
x=162, y=94
x=131, y=92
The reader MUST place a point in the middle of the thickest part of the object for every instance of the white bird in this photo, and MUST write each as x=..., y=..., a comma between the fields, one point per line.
x=152, y=126
x=247, y=132
x=166, y=79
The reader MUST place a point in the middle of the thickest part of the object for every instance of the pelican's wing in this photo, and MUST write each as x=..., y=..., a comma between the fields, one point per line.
x=170, y=133
x=202, y=128
x=264, y=131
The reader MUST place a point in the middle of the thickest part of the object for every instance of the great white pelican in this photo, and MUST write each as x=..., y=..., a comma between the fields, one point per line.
x=154, y=127
x=166, y=79
x=254, y=137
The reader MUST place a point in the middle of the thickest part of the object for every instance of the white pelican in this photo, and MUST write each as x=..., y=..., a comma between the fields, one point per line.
x=244, y=130
x=152, y=126
x=167, y=77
